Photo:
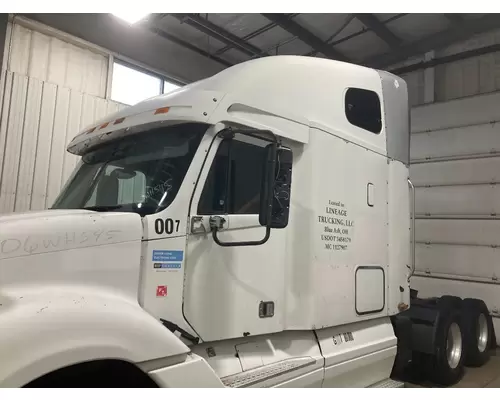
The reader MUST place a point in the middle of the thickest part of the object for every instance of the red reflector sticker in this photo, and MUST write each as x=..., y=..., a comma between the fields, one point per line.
x=161, y=291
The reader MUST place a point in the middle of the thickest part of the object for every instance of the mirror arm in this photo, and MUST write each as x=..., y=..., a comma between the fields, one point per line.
x=228, y=133
x=235, y=244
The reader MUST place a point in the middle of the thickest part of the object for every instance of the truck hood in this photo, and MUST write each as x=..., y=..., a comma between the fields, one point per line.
x=30, y=233
x=72, y=251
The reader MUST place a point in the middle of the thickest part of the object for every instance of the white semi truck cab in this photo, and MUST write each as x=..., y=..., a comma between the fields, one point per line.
x=249, y=230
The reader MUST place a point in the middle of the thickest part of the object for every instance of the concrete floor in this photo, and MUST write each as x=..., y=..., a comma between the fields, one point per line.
x=487, y=376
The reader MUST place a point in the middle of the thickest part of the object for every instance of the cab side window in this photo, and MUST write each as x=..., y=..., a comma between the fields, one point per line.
x=233, y=184
x=362, y=109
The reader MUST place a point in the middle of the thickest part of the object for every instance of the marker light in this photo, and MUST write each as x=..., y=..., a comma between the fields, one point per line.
x=162, y=110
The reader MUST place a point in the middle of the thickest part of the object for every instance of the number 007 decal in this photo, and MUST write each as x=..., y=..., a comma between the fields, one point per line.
x=167, y=226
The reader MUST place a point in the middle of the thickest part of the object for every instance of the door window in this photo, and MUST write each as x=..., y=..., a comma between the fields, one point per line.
x=234, y=181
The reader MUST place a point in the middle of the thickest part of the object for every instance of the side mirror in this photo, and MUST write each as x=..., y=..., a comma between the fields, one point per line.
x=276, y=187
x=275, y=191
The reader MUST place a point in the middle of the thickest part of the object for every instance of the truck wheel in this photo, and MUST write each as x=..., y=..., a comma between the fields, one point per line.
x=478, y=332
x=447, y=364
x=449, y=301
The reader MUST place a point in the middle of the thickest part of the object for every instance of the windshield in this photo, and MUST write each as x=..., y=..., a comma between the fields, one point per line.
x=140, y=173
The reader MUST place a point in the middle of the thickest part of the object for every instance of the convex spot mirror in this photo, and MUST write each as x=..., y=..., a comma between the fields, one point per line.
x=276, y=188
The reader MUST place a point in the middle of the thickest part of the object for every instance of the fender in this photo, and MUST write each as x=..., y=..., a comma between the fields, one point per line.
x=44, y=329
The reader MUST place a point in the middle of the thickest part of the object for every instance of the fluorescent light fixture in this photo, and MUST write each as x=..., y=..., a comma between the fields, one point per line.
x=130, y=16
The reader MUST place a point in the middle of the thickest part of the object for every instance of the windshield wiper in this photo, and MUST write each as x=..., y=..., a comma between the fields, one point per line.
x=103, y=208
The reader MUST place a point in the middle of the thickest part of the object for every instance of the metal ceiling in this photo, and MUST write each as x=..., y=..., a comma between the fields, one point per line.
x=189, y=47
x=375, y=40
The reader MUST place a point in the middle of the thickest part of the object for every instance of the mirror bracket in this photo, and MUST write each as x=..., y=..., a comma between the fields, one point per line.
x=217, y=222
x=237, y=244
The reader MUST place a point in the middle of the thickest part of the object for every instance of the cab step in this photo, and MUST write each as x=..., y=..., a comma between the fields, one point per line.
x=388, y=384
x=261, y=374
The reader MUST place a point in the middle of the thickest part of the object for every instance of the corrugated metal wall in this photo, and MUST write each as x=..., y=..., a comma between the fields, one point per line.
x=52, y=89
x=455, y=152
x=469, y=77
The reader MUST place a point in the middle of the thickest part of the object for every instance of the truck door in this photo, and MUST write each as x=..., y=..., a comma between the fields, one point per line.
x=232, y=291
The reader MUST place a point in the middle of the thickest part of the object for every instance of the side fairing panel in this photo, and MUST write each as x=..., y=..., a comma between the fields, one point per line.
x=399, y=237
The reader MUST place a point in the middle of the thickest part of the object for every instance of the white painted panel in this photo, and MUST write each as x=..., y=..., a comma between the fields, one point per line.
x=58, y=61
x=43, y=151
x=470, y=76
x=468, y=140
x=88, y=112
x=487, y=73
x=370, y=290
x=470, y=71
x=39, y=56
x=76, y=69
x=51, y=60
x=457, y=113
x=13, y=143
x=58, y=145
x=415, y=82
x=463, y=261
x=480, y=200
x=95, y=73
x=101, y=108
x=479, y=170
x=65, y=92
x=477, y=232
x=4, y=120
x=458, y=79
x=29, y=145
x=74, y=118
x=76, y=64
x=20, y=50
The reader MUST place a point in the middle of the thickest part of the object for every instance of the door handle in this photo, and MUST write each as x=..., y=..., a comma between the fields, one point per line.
x=370, y=197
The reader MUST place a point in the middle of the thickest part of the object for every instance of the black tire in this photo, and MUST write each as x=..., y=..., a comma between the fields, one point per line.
x=419, y=368
x=445, y=302
x=478, y=332
x=442, y=371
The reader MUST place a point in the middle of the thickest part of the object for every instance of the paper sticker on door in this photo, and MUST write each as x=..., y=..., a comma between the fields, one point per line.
x=161, y=291
x=167, y=265
x=168, y=255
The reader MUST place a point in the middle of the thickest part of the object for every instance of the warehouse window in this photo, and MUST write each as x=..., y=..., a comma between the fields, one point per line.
x=130, y=86
x=362, y=109
x=168, y=87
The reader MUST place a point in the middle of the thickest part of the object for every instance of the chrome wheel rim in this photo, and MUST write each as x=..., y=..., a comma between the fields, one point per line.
x=482, y=333
x=454, y=345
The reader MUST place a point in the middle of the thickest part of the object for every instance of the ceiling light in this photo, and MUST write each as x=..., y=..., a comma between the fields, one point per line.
x=130, y=16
